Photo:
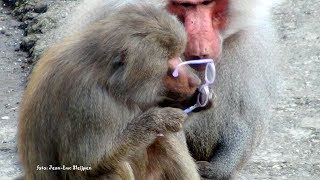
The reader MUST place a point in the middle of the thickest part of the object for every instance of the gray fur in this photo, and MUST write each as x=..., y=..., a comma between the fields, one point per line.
x=91, y=101
x=223, y=137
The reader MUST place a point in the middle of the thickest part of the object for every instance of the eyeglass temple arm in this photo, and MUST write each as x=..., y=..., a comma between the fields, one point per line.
x=200, y=61
x=190, y=109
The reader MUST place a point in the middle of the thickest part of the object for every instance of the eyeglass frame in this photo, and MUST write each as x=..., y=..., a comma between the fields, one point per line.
x=204, y=88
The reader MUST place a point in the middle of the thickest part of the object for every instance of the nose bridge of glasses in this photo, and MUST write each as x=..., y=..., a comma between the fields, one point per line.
x=204, y=89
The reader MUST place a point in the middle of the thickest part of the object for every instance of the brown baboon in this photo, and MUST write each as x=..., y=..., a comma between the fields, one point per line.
x=239, y=36
x=91, y=102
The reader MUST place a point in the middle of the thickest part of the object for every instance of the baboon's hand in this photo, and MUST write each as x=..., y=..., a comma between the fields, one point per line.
x=163, y=120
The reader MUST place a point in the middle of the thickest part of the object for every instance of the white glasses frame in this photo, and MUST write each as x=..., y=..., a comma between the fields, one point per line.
x=210, y=75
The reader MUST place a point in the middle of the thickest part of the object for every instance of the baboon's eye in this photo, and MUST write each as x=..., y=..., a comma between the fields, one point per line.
x=207, y=2
x=119, y=61
x=186, y=4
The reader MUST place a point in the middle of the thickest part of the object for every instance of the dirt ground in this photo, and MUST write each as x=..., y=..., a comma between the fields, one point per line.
x=12, y=78
x=291, y=149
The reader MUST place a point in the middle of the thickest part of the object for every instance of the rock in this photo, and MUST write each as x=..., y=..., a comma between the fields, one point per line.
x=5, y=118
x=41, y=8
x=2, y=31
x=309, y=122
x=8, y=34
x=17, y=47
x=29, y=16
x=28, y=42
x=21, y=10
x=23, y=25
x=41, y=26
x=10, y=2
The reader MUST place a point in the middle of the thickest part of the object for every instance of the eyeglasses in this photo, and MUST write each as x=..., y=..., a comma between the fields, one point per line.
x=204, y=92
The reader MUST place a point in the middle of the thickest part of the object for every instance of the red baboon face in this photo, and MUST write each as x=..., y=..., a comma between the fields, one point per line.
x=204, y=21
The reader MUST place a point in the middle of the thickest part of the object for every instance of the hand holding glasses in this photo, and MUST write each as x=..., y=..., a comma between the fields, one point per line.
x=210, y=75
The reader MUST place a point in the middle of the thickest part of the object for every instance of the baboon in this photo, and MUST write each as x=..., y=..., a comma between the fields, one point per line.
x=90, y=109
x=240, y=37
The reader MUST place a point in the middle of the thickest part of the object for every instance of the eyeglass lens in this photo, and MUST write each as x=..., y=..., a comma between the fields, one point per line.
x=210, y=73
x=203, y=96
